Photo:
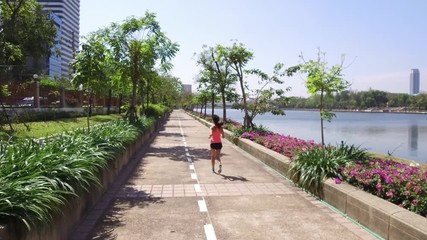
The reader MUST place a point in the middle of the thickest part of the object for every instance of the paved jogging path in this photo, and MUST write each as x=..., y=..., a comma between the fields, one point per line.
x=169, y=192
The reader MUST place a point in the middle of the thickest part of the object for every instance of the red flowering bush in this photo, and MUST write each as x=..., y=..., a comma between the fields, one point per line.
x=399, y=183
x=286, y=145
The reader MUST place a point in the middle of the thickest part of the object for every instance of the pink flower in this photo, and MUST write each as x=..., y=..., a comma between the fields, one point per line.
x=378, y=186
x=337, y=181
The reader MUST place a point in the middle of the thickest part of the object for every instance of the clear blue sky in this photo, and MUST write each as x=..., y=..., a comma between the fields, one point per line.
x=382, y=39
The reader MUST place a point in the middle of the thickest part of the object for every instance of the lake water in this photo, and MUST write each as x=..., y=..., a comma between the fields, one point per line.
x=398, y=134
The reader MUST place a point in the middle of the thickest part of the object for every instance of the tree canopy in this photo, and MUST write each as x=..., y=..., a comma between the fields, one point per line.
x=128, y=58
x=25, y=31
x=325, y=81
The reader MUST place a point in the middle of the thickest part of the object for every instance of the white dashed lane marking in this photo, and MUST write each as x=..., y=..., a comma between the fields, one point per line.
x=209, y=230
x=202, y=205
x=197, y=188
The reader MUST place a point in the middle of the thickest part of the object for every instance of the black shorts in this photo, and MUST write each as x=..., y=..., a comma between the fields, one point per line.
x=216, y=146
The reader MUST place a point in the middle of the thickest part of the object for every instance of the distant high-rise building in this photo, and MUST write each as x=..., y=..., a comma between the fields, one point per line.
x=414, y=83
x=53, y=63
x=187, y=88
x=69, y=13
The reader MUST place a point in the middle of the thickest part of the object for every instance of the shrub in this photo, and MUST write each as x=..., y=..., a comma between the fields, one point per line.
x=37, y=179
x=354, y=153
x=156, y=110
x=311, y=168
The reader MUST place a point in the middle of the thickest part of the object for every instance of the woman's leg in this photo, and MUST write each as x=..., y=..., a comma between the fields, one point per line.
x=218, y=156
x=213, y=155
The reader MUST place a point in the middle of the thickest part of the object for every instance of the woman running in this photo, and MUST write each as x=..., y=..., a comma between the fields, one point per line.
x=217, y=133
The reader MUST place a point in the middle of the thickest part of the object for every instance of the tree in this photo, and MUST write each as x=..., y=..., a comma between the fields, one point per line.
x=202, y=98
x=25, y=31
x=238, y=56
x=206, y=80
x=167, y=90
x=138, y=44
x=213, y=60
x=263, y=101
x=325, y=81
x=90, y=68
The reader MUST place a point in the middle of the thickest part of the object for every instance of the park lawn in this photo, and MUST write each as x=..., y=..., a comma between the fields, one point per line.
x=47, y=128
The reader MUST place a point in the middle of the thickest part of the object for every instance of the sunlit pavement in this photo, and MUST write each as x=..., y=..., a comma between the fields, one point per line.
x=168, y=191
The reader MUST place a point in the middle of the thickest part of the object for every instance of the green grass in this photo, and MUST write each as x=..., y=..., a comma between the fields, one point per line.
x=43, y=129
x=401, y=160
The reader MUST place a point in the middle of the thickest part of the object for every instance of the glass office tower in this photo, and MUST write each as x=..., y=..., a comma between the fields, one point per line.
x=69, y=13
x=414, y=83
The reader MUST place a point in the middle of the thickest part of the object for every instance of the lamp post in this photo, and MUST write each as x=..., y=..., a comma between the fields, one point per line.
x=37, y=94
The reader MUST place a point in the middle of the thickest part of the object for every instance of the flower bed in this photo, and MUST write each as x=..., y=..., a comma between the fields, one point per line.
x=399, y=183
x=286, y=145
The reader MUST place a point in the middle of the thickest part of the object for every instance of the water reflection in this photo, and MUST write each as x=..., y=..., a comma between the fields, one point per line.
x=413, y=137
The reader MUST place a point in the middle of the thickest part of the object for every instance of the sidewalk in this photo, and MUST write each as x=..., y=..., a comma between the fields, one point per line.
x=169, y=192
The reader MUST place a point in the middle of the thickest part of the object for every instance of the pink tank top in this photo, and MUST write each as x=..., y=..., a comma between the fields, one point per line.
x=216, y=135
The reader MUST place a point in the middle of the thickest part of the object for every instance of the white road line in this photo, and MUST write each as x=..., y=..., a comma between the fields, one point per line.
x=202, y=206
x=197, y=188
x=210, y=232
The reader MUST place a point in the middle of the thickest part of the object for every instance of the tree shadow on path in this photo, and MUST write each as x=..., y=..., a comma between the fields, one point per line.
x=233, y=178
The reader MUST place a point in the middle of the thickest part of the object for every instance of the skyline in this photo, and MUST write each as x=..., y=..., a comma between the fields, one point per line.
x=382, y=40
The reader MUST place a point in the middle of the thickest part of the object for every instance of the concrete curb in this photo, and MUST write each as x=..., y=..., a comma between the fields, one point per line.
x=380, y=216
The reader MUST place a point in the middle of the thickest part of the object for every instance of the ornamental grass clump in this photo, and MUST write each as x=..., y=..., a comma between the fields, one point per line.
x=399, y=183
x=37, y=179
x=311, y=168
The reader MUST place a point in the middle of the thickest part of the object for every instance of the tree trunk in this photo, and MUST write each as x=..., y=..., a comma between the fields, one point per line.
x=246, y=121
x=148, y=92
x=206, y=104
x=213, y=103
x=224, y=110
x=321, y=118
x=90, y=103
x=62, y=97
x=132, y=111
x=120, y=103
x=109, y=101
x=6, y=116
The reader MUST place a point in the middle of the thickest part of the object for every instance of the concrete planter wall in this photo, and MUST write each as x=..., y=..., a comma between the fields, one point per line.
x=380, y=216
x=70, y=214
